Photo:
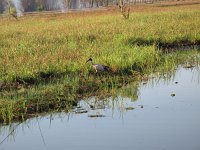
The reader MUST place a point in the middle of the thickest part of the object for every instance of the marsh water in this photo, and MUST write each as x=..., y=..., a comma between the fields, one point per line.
x=161, y=114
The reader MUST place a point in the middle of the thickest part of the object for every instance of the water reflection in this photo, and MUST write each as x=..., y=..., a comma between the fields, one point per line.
x=141, y=116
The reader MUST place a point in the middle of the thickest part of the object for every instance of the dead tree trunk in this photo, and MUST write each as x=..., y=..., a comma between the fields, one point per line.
x=124, y=8
x=10, y=11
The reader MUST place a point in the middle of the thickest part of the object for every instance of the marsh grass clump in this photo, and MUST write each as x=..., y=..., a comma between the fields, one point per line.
x=24, y=101
x=63, y=94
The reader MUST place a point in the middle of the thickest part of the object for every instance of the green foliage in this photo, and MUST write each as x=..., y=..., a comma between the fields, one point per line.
x=10, y=11
x=42, y=59
x=40, y=8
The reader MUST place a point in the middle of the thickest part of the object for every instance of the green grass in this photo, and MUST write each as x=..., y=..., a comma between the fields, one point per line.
x=42, y=59
x=62, y=45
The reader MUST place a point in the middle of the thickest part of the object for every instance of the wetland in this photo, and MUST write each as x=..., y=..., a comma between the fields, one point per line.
x=148, y=99
x=141, y=116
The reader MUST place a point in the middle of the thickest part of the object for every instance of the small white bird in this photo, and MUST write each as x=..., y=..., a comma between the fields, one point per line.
x=98, y=67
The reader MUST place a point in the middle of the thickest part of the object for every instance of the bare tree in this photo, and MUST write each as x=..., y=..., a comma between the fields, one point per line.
x=29, y=5
x=124, y=8
x=68, y=3
x=1, y=7
x=91, y=3
x=106, y=2
x=11, y=10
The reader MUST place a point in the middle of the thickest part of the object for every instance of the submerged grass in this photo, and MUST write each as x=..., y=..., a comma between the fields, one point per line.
x=42, y=59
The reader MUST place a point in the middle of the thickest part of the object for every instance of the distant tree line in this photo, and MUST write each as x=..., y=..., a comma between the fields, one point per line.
x=48, y=5
x=40, y=5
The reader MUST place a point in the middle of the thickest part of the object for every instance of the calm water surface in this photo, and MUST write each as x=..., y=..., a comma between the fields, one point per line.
x=159, y=121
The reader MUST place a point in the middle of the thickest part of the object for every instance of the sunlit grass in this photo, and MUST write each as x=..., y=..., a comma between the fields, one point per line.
x=42, y=59
x=33, y=45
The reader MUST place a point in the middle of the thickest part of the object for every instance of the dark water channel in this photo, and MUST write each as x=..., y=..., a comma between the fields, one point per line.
x=164, y=116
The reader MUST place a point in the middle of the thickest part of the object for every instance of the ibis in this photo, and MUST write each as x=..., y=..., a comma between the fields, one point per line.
x=98, y=67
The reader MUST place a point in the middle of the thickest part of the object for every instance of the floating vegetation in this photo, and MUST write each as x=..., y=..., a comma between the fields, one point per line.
x=96, y=116
x=172, y=95
x=141, y=106
x=188, y=66
x=81, y=111
x=129, y=108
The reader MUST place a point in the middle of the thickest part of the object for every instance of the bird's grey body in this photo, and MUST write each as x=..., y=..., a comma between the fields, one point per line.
x=98, y=67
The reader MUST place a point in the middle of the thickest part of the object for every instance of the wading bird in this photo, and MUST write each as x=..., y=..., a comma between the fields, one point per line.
x=98, y=67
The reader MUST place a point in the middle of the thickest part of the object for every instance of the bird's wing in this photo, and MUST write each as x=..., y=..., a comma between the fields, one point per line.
x=99, y=67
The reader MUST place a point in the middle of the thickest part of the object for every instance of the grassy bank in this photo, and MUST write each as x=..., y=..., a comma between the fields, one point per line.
x=42, y=59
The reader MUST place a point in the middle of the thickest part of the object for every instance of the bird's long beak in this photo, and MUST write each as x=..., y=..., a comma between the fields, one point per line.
x=87, y=60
